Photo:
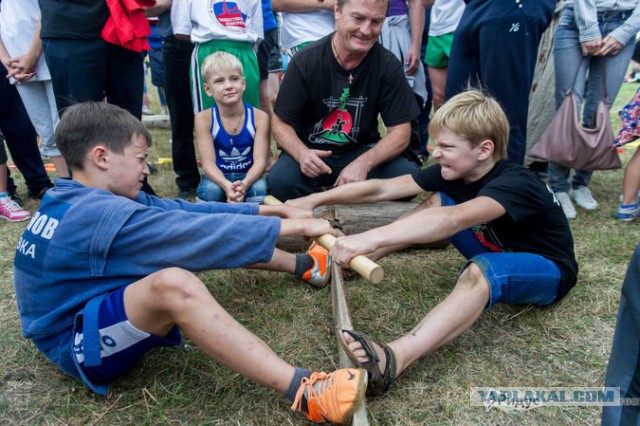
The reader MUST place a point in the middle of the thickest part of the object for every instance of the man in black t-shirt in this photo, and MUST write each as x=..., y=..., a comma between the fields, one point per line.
x=326, y=113
x=499, y=215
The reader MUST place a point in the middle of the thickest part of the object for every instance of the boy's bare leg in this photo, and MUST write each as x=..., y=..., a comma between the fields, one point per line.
x=177, y=297
x=281, y=261
x=444, y=323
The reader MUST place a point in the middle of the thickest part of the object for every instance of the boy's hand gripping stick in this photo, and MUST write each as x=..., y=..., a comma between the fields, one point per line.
x=361, y=264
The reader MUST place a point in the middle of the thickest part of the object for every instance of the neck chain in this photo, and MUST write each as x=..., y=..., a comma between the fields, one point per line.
x=335, y=53
x=234, y=132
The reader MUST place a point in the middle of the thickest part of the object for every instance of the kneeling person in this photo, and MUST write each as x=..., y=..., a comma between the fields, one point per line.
x=500, y=216
x=102, y=262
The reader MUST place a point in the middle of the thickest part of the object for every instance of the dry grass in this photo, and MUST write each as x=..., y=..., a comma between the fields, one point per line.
x=564, y=345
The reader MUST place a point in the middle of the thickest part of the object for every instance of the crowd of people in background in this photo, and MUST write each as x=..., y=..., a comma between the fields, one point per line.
x=57, y=53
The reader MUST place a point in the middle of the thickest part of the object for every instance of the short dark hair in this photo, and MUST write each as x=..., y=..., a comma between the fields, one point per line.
x=87, y=124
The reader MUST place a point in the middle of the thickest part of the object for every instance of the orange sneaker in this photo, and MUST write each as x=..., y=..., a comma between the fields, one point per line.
x=333, y=397
x=320, y=272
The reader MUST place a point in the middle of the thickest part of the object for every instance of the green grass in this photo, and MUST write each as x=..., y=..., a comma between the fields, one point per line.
x=565, y=345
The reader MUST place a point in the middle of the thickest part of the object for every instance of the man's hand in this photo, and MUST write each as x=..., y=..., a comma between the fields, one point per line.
x=346, y=248
x=590, y=47
x=356, y=171
x=610, y=46
x=311, y=163
x=413, y=58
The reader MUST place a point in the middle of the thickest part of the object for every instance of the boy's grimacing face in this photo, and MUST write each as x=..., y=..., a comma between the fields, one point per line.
x=458, y=159
x=225, y=87
x=127, y=171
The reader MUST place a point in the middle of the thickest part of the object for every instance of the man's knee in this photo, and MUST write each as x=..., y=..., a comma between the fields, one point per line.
x=285, y=181
x=473, y=280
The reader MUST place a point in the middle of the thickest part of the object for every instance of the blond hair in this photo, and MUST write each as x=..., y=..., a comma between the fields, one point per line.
x=220, y=62
x=476, y=117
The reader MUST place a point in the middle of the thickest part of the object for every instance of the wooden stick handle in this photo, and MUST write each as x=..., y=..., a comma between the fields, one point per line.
x=361, y=264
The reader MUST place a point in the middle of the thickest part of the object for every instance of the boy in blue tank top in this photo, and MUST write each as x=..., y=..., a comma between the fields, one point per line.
x=232, y=136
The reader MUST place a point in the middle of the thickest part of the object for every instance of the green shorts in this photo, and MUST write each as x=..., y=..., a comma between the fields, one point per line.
x=244, y=52
x=438, y=50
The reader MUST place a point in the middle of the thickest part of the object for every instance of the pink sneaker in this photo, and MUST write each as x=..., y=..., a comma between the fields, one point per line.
x=11, y=211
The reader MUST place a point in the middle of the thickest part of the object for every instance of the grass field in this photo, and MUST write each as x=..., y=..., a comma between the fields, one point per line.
x=566, y=345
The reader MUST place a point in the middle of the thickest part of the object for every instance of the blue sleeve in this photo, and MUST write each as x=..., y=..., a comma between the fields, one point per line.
x=153, y=239
x=208, y=207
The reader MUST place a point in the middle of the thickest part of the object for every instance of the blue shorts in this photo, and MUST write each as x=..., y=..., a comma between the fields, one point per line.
x=514, y=278
x=121, y=344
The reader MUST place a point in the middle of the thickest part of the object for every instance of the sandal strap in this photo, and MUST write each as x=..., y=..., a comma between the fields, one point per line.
x=379, y=380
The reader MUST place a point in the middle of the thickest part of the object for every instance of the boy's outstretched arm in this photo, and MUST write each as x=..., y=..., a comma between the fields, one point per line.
x=424, y=226
x=365, y=192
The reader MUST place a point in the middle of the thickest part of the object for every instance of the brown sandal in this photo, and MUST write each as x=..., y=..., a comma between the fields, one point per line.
x=379, y=381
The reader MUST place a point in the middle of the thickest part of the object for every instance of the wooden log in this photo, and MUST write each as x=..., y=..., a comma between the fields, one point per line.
x=342, y=321
x=156, y=121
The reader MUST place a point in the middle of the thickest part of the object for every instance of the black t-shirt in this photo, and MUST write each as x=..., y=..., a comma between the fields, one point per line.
x=327, y=112
x=534, y=222
x=73, y=19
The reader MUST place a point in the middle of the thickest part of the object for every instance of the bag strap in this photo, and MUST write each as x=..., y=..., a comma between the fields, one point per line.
x=603, y=78
x=575, y=77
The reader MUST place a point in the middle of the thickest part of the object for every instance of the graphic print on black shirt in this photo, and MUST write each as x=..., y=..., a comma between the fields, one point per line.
x=488, y=237
x=339, y=127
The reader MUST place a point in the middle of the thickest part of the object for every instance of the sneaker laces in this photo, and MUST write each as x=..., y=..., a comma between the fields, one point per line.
x=12, y=206
x=307, y=385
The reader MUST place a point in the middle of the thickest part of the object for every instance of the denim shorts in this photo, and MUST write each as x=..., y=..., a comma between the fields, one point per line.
x=514, y=278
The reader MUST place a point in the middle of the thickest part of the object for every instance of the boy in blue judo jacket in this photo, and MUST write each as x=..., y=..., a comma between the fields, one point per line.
x=103, y=271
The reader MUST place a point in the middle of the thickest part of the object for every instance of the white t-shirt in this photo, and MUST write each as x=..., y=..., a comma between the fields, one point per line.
x=206, y=20
x=18, y=20
x=445, y=15
x=305, y=27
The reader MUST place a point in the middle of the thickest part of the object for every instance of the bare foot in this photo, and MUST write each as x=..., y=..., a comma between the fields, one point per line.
x=359, y=354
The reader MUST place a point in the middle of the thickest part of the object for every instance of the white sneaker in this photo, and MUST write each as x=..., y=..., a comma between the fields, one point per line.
x=584, y=198
x=566, y=204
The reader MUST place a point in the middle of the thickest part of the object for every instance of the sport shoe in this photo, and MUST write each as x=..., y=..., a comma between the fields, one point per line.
x=584, y=198
x=146, y=110
x=566, y=204
x=11, y=211
x=320, y=272
x=628, y=212
x=333, y=397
